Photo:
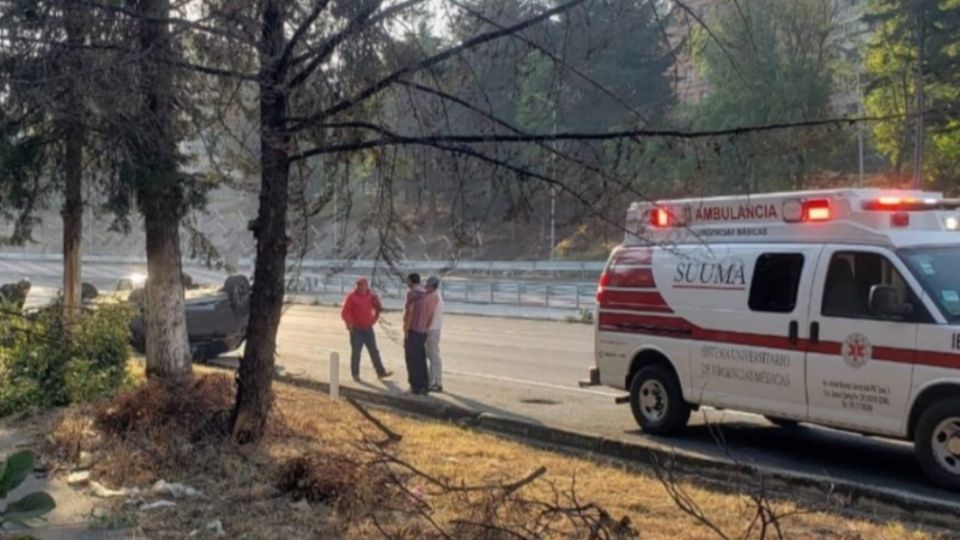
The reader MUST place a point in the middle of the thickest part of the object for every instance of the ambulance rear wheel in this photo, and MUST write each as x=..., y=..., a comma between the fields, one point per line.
x=656, y=401
x=937, y=442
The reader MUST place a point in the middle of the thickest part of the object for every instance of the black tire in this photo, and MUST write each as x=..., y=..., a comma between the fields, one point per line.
x=238, y=291
x=944, y=470
x=675, y=410
x=88, y=291
x=782, y=422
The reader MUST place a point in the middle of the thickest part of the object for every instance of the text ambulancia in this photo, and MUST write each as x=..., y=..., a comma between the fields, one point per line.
x=840, y=308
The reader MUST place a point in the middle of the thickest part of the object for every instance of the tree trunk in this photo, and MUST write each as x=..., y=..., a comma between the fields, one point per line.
x=72, y=211
x=160, y=198
x=72, y=215
x=256, y=371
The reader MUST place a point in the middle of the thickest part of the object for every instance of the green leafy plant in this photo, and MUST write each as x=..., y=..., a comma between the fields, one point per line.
x=584, y=317
x=43, y=365
x=13, y=471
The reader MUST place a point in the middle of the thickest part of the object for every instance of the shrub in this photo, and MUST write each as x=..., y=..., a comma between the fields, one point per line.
x=585, y=317
x=42, y=365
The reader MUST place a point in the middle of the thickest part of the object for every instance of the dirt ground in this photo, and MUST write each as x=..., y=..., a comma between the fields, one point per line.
x=324, y=470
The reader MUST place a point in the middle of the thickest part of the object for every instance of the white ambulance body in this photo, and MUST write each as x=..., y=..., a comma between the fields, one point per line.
x=840, y=308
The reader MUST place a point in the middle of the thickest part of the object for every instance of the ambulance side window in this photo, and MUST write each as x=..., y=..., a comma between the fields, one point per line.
x=850, y=277
x=776, y=280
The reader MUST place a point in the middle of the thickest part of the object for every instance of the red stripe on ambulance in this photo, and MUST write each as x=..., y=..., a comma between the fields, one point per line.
x=635, y=300
x=657, y=325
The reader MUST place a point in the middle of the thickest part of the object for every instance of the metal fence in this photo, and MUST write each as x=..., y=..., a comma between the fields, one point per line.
x=584, y=269
x=513, y=293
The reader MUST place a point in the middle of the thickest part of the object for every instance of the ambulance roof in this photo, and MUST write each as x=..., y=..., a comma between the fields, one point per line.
x=893, y=218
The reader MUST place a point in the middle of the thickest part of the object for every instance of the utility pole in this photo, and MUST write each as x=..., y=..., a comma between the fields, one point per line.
x=553, y=163
x=859, y=125
x=553, y=188
x=336, y=213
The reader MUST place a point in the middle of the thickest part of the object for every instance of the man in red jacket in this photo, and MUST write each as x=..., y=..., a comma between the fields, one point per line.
x=361, y=310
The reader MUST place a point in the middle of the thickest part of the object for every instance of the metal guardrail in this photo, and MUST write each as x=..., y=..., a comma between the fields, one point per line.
x=493, y=267
x=511, y=293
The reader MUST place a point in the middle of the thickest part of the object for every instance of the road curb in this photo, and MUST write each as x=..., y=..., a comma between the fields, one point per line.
x=867, y=500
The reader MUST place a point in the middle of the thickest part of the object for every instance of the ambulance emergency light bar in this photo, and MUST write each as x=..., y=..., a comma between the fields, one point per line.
x=820, y=209
x=795, y=211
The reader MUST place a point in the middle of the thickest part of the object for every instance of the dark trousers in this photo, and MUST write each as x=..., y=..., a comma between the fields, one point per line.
x=415, y=351
x=360, y=337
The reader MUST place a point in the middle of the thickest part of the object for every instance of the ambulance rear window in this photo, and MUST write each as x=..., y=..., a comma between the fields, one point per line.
x=776, y=280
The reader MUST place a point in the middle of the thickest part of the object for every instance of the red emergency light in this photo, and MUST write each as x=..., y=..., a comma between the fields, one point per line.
x=660, y=217
x=817, y=210
x=890, y=203
x=900, y=219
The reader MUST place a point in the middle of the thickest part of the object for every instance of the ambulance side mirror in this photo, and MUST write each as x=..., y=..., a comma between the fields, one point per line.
x=885, y=302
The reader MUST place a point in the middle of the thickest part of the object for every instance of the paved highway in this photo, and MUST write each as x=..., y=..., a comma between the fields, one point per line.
x=529, y=369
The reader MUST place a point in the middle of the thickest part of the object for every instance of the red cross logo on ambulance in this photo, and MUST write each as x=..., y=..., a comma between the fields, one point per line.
x=857, y=350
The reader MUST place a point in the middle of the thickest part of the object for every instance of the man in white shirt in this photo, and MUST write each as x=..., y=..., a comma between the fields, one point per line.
x=434, y=302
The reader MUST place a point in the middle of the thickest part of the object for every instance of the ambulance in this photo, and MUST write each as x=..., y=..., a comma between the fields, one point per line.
x=839, y=308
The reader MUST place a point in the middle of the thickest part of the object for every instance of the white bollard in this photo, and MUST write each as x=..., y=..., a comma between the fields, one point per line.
x=334, y=375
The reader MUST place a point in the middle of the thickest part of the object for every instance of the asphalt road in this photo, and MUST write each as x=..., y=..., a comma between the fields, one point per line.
x=529, y=369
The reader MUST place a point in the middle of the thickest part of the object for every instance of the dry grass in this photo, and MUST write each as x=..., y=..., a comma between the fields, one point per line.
x=319, y=450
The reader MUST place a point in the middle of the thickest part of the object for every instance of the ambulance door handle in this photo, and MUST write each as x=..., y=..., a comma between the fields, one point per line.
x=814, y=333
x=794, y=332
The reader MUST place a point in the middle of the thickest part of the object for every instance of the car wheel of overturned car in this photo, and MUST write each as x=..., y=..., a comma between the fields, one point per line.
x=15, y=294
x=238, y=291
x=656, y=401
x=138, y=297
x=88, y=291
x=937, y=442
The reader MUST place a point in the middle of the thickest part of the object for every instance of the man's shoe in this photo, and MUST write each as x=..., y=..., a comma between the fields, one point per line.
x=423, y=392
x=436, y=388
x=385, y=375
x=356, y=378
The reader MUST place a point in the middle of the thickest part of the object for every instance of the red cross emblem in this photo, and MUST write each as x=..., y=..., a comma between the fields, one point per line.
x=857, y=350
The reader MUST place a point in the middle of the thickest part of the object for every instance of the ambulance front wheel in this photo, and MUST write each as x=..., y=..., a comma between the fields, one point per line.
x=937, y=442
x=656, y=401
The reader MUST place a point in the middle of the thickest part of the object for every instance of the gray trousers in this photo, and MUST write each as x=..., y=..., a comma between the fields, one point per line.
x=433, y=357
x=359, y=338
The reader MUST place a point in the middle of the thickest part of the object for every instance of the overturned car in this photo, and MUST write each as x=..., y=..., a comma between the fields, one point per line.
x=216, y=318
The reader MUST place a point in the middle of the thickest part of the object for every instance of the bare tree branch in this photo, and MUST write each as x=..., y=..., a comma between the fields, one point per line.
x=395, y=139
x=301, y=30
x=442, y=56
x=559, y=61
x=365, y=19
